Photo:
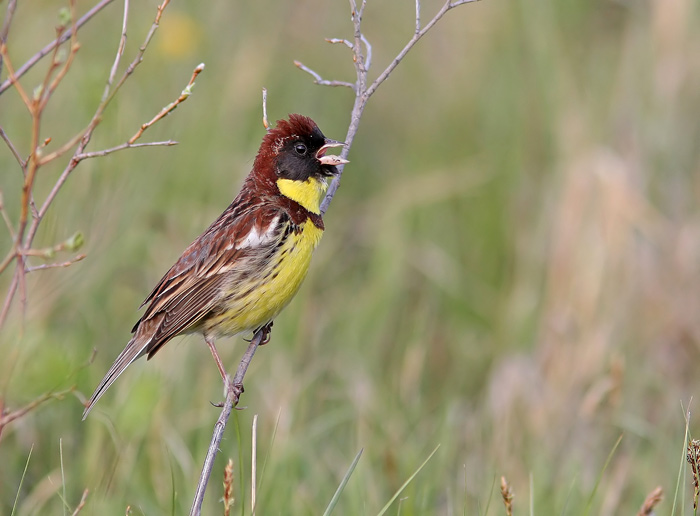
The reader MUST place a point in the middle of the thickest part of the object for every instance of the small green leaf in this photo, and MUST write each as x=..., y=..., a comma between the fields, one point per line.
x=64, y=17
x=75, y=242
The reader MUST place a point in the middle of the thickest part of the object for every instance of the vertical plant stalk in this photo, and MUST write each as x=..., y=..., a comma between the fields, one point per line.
x=234, y=389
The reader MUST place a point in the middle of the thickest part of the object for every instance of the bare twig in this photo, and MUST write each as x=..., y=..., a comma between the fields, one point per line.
x=58, y=41
x=7, y=22
x=13, y=149
x=266, y=124
x=336, y=41
x=9, y=417
x=170, y=107
x=56, y=265
x=651, y=501
x=233, y=392
x=13, y=77
x=120, y=52
x=126, y=145
x=320, y=80
x=80, y=506
x=7, y=220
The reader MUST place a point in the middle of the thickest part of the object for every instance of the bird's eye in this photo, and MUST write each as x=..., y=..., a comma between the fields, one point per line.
x=300, y=149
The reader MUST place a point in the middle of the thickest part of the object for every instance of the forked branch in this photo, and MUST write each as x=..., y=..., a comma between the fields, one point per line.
x=362, y=60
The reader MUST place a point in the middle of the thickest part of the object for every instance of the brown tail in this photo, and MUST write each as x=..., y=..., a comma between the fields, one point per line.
x=131, y=352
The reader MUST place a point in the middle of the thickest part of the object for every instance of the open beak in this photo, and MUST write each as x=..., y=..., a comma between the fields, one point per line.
x=331, y=159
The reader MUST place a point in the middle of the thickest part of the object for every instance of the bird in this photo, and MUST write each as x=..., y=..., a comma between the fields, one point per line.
x=239, y=274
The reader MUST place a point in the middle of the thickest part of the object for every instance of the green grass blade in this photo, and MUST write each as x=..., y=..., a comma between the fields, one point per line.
x=239, y=441
x=488, y=502
x=396, y=495
x=600, y=477
x=173, y=497
x=269, y=448
x=336, y=496
x=63, y=476
x=681, y=468
x=21, y=480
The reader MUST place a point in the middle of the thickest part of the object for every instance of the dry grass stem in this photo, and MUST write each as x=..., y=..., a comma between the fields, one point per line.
x=507, y=496
x=266, y=124
x=80, y=506
x=228, y=488
x=651, y=501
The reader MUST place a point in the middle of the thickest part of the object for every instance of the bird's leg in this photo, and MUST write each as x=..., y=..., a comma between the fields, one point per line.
x=210, y=342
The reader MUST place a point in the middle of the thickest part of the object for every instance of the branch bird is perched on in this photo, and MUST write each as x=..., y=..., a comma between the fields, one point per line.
x=246, y=267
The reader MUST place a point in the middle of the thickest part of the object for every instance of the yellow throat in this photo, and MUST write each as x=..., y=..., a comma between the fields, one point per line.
x=308, y=193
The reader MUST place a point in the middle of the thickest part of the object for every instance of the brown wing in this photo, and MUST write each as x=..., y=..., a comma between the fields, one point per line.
x=192, y=286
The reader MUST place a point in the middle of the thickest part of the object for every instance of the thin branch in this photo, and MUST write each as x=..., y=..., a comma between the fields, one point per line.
x=56, y=265
x=74, y=47
x=83, y=501
x=368, y=50
x=126, y=145
x=13, y=149
x=7, y=418
x=9, y=297
x=233, y=392
x=58, y=41
x=9, y=15
x=7, y=261
x=14, y=77
x=320, y=80
x=120, y=52
x=170, y=107
x=417, y=16
x=6, y=218
x=336, y=41
x=266, y=124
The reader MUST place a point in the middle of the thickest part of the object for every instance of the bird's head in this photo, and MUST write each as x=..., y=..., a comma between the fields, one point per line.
x=293, y=156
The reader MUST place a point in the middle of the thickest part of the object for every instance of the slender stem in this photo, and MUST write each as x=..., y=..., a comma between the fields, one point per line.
x=233, y=392
x=7, y=22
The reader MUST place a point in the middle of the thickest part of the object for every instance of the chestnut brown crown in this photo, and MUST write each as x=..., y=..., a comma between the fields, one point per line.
x=294, y=149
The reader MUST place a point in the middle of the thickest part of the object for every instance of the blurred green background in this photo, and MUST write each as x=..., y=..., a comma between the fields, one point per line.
x=510, y=269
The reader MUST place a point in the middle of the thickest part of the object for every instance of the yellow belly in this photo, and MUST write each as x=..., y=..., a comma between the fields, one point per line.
x=271, y=289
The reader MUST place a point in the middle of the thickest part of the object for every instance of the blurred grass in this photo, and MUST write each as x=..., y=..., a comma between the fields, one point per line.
x=510, y=269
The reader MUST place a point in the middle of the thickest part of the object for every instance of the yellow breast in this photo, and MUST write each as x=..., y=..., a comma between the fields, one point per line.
x=272, y=288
